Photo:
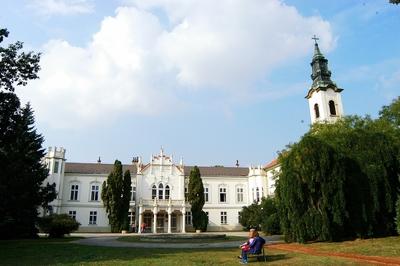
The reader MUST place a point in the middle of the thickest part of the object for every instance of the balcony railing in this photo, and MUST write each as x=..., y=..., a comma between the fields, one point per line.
x=158, y=202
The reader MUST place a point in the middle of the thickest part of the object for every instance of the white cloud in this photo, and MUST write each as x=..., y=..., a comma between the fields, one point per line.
x=137, y=64
x=62, y=7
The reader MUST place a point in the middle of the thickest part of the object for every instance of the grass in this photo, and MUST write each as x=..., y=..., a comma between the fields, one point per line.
x=148, y=240
x=55, y=252
x=387, y=246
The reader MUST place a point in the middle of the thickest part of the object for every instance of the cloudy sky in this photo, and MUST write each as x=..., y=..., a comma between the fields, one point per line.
x=210, y=81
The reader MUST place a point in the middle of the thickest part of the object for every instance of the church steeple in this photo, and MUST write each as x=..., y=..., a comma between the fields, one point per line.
x=324, y=95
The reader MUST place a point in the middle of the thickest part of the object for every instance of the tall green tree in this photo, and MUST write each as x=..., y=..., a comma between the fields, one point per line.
x=22, y=172
x=196, y=200
x=115, y=194
x=340, y=180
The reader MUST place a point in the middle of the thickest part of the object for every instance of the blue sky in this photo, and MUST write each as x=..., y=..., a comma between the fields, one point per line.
x=212, y=82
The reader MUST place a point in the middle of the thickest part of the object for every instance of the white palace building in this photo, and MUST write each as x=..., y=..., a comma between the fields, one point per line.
x=158, y=192
x=160, y=185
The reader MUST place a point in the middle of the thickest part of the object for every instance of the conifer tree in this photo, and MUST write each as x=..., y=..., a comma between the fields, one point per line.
x=196, y=200
x=22, y=172
x=115, y=195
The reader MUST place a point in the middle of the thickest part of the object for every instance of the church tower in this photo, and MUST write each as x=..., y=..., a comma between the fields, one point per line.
x=324, y=97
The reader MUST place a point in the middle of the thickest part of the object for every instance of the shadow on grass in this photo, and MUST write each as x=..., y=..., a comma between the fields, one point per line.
x=41, y=252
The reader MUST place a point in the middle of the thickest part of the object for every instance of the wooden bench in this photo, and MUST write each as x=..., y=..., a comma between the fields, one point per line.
x=259, y=256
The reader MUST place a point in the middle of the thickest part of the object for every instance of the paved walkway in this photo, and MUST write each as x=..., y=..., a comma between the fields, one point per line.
x=110, y=240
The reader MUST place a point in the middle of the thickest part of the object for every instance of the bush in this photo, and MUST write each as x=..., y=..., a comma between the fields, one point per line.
x=271, y=225
x=57, y=225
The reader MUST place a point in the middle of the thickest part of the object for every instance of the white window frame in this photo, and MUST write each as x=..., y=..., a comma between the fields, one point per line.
x=93, y=218
x=56, y=167
x=76, y=191
x=72, y=214
x=223, y=190
x=91, y=191
x=206, y=194
x=239, y=194
x=188, y=218
x=224, y=217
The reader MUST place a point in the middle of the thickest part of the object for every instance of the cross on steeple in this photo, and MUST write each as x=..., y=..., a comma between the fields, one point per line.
x=315, y=38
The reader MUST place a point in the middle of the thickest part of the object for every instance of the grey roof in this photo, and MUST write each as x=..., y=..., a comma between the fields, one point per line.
x=95, y=168
x=219, y=171
x=101, y=168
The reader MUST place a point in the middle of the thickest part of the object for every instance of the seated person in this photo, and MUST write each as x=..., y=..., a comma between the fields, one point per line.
x=252, y=246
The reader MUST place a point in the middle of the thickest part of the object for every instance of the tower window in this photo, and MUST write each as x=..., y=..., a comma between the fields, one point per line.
x=332, y=108
x=316, y=110
x=56, y=166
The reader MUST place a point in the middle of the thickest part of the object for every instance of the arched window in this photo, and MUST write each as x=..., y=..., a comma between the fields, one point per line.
x=332, y=108
x=316, y=110
x=154, y=192
x=160, y=191
x=167, y=192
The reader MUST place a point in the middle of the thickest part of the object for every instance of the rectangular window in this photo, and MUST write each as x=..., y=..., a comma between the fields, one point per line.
x=206, y=199
x=224, y=219
x=131, y=216
x=188, y=218
x=239, y=214
x=94, y=194
x=72, y=214
x=239, y=194
x=74, y=192
x=133, y=193
x=222, y=194
x=93, y=217
x=56, y=165
x=186, y=193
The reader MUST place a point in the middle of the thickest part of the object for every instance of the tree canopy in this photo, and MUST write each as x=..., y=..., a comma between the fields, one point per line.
x=341, y=180
x=116, y=193
x=16, y=67
x=22, y=172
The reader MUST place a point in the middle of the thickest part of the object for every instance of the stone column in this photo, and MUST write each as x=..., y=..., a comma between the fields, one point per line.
x=140, y=220
x=155, y=221
x=183, y=220
x=169, y=221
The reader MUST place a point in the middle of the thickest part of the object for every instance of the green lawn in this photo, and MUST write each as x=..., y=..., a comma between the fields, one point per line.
x=50, y=252
x=387, y=246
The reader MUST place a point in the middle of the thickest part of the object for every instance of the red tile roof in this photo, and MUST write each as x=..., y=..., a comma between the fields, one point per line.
x=272, y=163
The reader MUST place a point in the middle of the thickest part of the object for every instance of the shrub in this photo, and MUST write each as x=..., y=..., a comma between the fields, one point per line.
x=271, y=225
x=57, y=225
